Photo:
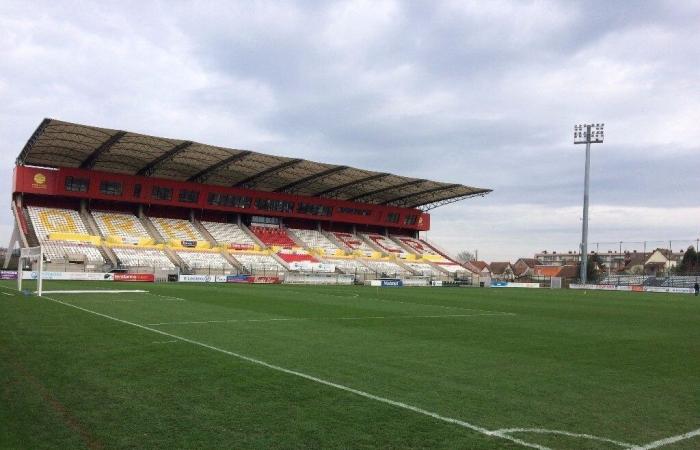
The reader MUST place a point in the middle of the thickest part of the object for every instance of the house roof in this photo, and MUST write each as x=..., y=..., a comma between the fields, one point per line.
x=499, y=268
x=479, y=265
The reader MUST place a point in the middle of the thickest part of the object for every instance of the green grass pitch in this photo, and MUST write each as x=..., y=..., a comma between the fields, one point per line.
x=241, y=366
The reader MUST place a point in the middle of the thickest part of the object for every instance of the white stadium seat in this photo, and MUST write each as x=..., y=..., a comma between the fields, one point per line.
x=57, y=250
x=385, y=267
x=141, y=257
x=228, y=233
x=423, y=269
x=386, y=245
x=259, y=262
x=127, y=226
x=350, y=266
x=178, y=229
x=203, y=260
x=55, y=220
x=47, y=221
x=315, y=239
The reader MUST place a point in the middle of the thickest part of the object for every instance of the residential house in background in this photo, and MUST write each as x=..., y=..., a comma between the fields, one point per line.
x=502, y=271
x=524, y=267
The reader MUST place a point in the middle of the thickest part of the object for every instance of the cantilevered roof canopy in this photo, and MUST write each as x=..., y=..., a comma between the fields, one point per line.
x=63, y=144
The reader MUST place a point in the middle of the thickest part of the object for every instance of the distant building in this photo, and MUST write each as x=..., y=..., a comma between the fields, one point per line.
x=479, y=267
x=524, y=267
x=650, y=263
x=567, y=272
x=502, y=271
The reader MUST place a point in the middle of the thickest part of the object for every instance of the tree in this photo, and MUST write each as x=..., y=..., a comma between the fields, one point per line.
x=465, y=256
x=689, y=263
x=592, y=268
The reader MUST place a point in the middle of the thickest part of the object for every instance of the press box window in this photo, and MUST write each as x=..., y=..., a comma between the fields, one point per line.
x=274, y=205
x=189, y=196
x=161, y=193
x=74, y=184
x=410, y=220
x=233, y=201
x=110, y=188
x=392, y=217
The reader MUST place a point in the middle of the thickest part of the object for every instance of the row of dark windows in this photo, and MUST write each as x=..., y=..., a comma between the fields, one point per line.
x=114, y=188
x=274, y=205
x=392, y=217
x=232, y=201
x=314, y=210
x=354, y=211
x=410, y=219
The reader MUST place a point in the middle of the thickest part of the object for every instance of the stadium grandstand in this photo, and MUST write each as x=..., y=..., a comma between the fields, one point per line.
x=97, y=199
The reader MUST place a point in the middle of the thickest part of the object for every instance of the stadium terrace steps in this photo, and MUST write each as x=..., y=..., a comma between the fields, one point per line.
x=252, y=235
x=334, y=240
x=151, y=229
x=203, y=231
x=21, y=222
x=89, y=220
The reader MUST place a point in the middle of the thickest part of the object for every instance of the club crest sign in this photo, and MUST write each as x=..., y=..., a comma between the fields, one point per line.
x=39, y=181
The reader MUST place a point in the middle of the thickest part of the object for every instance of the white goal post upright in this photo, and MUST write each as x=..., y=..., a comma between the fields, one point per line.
x=31, y=254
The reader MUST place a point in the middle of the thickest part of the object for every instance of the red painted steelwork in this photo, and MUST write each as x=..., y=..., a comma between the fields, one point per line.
x=51, y=183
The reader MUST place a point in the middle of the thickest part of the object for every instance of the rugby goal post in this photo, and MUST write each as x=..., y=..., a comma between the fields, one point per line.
x=31, y=255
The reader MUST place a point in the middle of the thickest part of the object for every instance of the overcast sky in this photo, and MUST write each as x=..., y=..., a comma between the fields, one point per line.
x=480, y=93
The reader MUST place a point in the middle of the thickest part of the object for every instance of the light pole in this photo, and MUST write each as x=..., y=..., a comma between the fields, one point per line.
x=586, y=134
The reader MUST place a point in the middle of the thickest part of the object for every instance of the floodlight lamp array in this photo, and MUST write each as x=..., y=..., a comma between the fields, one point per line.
x=581, y=133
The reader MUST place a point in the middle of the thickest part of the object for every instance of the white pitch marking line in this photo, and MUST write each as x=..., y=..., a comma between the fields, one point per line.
x=164, y=342
x=9, y=295
x=669, y=440
x=291, y=319
x=168, y=298
x=97, y=291
x=398, y=301
x=564, y=433
x=341, y=387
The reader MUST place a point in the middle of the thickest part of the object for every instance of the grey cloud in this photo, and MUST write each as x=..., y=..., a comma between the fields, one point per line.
x=479, y=93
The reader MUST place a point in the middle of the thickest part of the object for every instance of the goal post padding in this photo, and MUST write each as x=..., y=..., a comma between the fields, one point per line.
x=31, y=254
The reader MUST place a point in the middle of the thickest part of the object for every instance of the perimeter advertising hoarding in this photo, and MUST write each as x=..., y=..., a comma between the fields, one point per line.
x=142, y=277
x=202, y=278
x=252, y=279
x=8, y=275
x=387, y=282
x=69, y=276
x=635, y=288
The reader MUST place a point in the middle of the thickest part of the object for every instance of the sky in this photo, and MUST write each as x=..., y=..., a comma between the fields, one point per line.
x=480, y=93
